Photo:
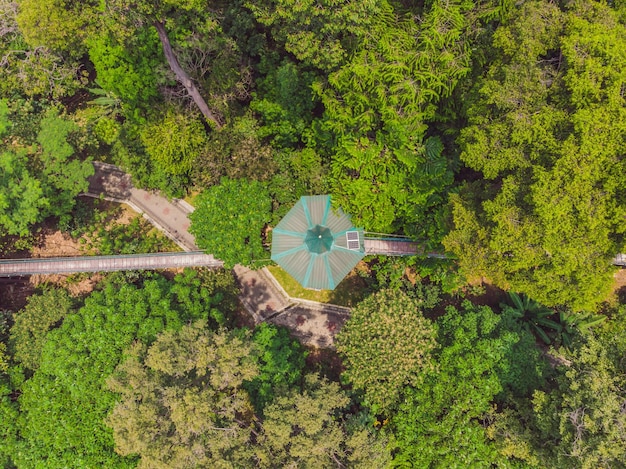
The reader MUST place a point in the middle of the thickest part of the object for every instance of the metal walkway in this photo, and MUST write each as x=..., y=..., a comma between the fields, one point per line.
x=390, y=246
x=58, y=265
x=396, y=246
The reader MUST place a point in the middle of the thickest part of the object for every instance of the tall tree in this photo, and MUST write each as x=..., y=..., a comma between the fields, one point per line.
x=229, y=219
x=21, y=195
x=192, y=380
x=387, y=345
x=546, y=126
x=32, y=324
x=63, y=405
x=303, y=429
x=438, y=424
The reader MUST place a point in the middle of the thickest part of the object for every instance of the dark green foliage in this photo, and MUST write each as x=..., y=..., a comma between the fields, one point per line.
x=533, y=315
x=236, y=152
x=438, y=422
x=281, y=361
x=285, y=104
x=577, y=423
x=63, y=405
x=229, y=219
x=300, y=173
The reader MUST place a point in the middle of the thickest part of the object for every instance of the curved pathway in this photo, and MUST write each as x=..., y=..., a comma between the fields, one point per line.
x=312, y=323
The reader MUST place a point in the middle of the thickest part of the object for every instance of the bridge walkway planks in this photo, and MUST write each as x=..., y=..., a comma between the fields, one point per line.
x=58, y=265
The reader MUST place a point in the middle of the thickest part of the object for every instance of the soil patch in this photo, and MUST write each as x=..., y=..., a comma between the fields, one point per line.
x=325, y=361
x=56, y=244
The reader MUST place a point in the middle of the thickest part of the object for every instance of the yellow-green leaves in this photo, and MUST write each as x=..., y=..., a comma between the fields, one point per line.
x=387, y=345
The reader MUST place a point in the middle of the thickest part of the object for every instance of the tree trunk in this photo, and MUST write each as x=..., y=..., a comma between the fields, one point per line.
x=183, y=77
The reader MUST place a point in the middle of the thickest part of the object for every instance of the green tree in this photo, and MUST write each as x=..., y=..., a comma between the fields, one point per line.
x=63, y=405
x=43, y=312
x=281, y=362
x=59, y=24
x=577, y=423
x=235, y=152
x=387, y=345
x=229, y=219
x=284, y=101
x=127, y=68
x=173, y=140
x=32, y=70
x=321, y=34
x=192, y=380
x=438, y=422
x=384, y=171
x=62, y=175
x=21, y=195
x=302, y=429
x=545, y=124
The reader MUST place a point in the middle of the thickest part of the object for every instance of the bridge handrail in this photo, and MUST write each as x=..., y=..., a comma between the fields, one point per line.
x=112, y=256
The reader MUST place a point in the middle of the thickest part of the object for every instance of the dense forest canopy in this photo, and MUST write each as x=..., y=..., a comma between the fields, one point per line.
x=493, y=131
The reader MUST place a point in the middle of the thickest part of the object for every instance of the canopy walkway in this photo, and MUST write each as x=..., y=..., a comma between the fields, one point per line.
x=401, y=246
x=395, y=246
x=62, y=265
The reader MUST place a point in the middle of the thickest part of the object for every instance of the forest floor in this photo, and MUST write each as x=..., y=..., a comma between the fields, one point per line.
x=52, y=242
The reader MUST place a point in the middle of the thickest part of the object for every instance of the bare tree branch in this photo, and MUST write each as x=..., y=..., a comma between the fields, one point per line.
x=183, y=76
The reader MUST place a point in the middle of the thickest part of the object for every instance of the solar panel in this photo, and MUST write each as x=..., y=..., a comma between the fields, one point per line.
x=353, y=240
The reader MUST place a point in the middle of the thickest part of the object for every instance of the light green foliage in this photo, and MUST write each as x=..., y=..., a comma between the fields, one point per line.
x=302, y=429
x=387, y=345
x=228, y=221
x=63, y=405
x=192, y=380
x=5, y=123
x=320, y=34
x=281, y=361
x=42, y=313
x=173, y=140
x=546, y=124
x=21, y=196
x=62, y=177
x=58, y=24
x=34, y=69
x=378, y=104
x=127, y=69
x=437, y=425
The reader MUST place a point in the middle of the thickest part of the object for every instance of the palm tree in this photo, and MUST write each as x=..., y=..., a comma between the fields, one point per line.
x=533, y=315
x=572, y=322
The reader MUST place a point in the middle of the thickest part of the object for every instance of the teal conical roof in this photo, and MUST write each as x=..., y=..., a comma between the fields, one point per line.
x=317, y=245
